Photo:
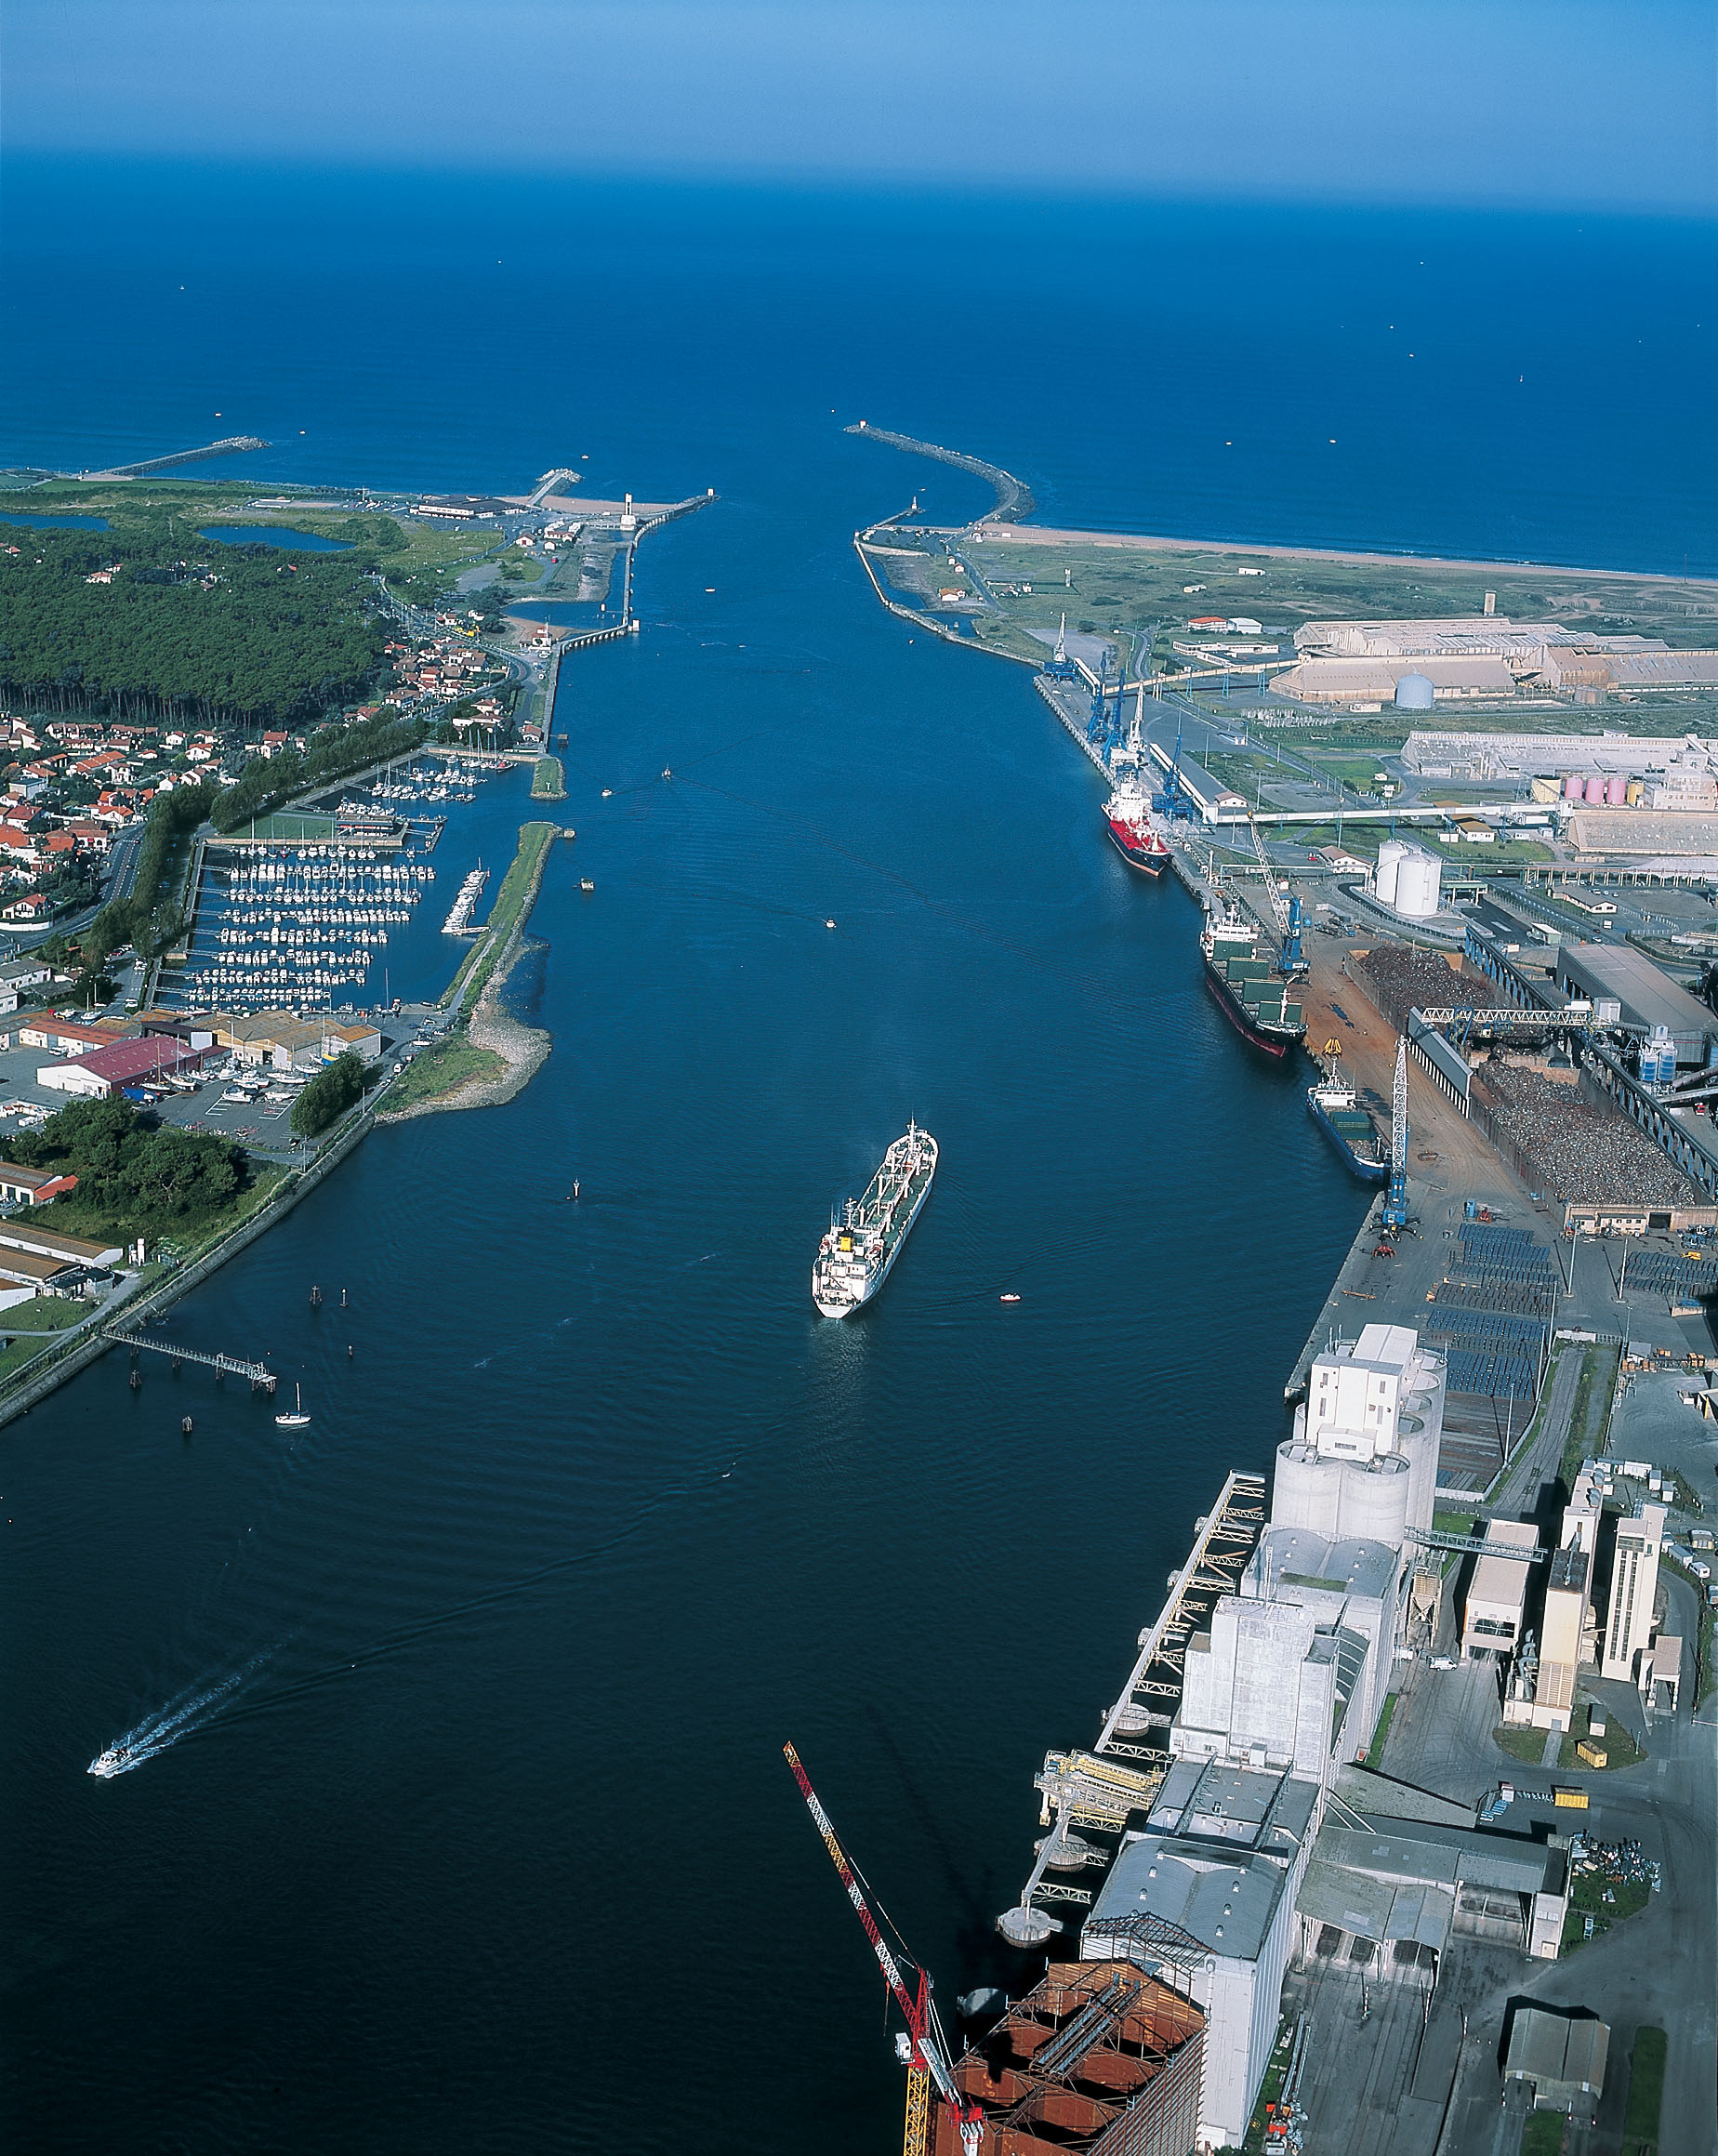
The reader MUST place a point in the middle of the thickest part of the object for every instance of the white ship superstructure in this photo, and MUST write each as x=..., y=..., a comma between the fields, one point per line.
x=854, y=1257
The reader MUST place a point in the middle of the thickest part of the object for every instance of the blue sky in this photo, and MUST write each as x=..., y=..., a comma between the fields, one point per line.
x=1553, y=103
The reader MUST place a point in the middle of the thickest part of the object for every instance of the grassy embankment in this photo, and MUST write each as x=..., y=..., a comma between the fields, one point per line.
x=438, y=1070
x=548, y=780
x=458, y=1060
x=28, y=1328
x=1118, y=588
x=1640, y=2126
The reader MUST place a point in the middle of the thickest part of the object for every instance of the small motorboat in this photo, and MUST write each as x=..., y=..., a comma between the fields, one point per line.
x=828, y=924
x=293, y=1418
x=115, y=1759
x=584, y=883
x=1008, y=1299
x=608, y=792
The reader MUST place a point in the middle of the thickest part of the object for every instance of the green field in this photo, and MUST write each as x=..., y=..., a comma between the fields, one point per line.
x=467, y=984
x=548, y=781
x=1118, y=588
x=439, y=1069
x=1640, y=2127
x=307, y=827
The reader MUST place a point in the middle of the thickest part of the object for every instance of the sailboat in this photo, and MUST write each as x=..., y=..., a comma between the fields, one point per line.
x=293, y=1418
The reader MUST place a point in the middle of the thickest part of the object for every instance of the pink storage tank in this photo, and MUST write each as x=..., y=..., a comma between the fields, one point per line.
x=1616, y=792
x=1572, y=786
x=1595, y=792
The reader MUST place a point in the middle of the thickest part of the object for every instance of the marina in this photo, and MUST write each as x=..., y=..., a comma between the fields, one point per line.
x=297, y=913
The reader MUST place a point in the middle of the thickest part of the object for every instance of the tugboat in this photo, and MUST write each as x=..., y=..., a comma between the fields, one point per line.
x=854, y=1258
x=1242, y=972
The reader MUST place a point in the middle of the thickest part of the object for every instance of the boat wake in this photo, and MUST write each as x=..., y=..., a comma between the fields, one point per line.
x=156, y=1733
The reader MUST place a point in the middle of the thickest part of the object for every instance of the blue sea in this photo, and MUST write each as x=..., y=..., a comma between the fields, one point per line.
x=466, y=1825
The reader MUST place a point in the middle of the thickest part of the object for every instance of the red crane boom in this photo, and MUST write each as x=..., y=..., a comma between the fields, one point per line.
x=926, y=2053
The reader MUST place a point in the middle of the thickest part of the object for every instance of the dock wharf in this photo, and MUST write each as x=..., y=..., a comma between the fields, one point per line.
x=258, y=1375
x=229, y=445
x=1069, y=709
x=1097, y=1790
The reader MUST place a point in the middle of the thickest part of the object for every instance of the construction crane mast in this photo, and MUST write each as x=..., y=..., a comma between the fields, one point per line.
x=1396, y=1200
x=922, y=2047
x=1286, y=910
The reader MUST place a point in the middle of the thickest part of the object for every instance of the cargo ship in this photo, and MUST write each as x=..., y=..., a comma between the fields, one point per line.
x=1132, y=828
x=853, y=1259
x=1242, y=972
x=1352, y=1130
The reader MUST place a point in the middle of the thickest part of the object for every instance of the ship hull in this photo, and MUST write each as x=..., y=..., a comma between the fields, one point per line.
x=849, y=1304
x=1272, y=1043
x=1137, y=856
x=1357, y=1164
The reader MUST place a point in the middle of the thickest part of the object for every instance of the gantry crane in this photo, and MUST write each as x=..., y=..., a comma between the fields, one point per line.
x=922, y=2047
x=1395, y=1199
x=1287, y=911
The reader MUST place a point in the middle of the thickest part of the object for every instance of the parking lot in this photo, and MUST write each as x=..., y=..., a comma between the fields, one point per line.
x=251, y=1107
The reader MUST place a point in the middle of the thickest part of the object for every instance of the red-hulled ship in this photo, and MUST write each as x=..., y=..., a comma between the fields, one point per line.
x=1133, y=830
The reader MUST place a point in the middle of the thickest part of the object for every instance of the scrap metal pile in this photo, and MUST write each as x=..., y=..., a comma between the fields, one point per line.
x=1399, y=979
x=1579, y=1152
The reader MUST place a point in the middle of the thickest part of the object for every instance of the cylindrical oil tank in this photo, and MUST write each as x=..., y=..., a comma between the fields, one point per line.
x=1389, y=861
x=1306, y=1490
x=1418, y=878
x=1635, y=794
x=1574, y=787
x=1617, y=791
x=1595, y=790
x=1414, y=692
x=1374, y=1499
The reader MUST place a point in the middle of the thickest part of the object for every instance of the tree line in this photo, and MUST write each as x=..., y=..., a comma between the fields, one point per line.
x=249, y=634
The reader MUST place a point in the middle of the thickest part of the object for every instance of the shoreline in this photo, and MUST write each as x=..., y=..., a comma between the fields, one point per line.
x=985, y=532
x=523, y=1048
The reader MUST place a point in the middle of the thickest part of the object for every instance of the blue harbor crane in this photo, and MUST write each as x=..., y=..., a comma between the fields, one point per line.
x=1290, y=918
x=1097, y=726
x=1175, y=804
x=1061, y=668
x=1395, y=1198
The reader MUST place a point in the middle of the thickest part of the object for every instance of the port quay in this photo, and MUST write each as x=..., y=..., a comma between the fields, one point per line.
x=1382, y=1844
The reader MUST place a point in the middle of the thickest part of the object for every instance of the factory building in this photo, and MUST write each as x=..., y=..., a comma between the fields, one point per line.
x=1363, y=1458
x=1496, y=1597
x=1376, y=680
x=1099, y=2057
x=1280, y=1688
x=1542, y=1684
x=1625, y=988
x=1634, y=1586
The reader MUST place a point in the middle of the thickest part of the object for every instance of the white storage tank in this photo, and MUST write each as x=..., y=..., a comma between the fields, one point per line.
x=1389, y=861
x=1418, y=879
x=1306, y=1492
x=1414, y=692
x=1374, y=1499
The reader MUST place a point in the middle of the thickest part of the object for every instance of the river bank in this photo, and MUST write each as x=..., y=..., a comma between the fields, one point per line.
x=519, y=1051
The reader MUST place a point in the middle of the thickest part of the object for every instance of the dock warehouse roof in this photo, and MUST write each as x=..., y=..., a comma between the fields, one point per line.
x=30, y=1266
x=1374, y=681
x=1619, y=974
x=22, y=1233
x=125, y=1063
x=1563, y=2057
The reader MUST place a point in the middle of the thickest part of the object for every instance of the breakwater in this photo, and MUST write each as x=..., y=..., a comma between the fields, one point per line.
x=1014, y=498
